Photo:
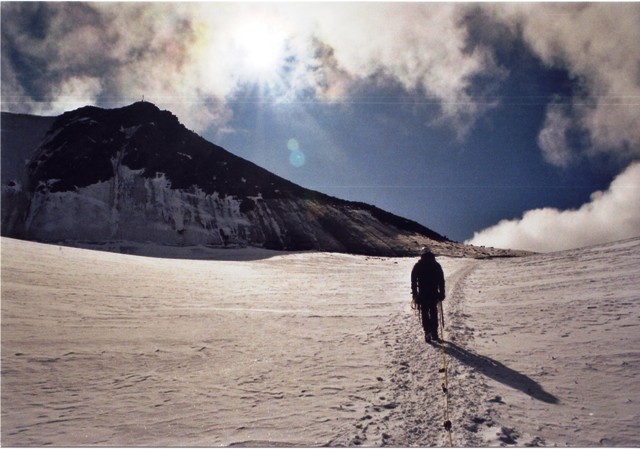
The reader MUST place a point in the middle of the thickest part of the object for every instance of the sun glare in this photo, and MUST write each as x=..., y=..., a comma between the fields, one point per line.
x=261, y=48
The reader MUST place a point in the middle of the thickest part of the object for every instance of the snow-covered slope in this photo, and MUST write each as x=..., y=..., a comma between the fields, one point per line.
x=135, y=174
x=563, y=334
x=316, y=348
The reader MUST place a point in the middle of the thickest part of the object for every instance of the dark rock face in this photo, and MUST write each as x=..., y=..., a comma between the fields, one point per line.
x=20, y=136
x=141, y=136
x=137, y=174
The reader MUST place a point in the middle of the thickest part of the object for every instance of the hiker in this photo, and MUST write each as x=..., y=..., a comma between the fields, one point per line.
x=427, y=289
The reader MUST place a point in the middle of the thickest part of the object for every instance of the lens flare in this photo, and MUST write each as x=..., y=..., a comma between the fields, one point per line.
x=293, y=144
x=297, y=158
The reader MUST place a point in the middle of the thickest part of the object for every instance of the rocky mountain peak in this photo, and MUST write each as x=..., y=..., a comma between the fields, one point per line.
x=86, y=146
x=136, y=174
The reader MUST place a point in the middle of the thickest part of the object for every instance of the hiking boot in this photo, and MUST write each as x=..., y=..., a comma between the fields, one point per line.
x=427, y=338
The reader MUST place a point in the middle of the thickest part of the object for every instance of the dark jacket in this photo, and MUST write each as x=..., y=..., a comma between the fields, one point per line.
x=427, y=280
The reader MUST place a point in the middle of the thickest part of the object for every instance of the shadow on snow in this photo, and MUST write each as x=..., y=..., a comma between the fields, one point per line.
x=501, y=373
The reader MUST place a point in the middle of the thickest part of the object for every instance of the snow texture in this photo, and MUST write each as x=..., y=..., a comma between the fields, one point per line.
x=264, y=348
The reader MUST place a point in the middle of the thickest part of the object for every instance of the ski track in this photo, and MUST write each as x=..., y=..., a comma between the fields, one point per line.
x=414, y=410
x=312, y=349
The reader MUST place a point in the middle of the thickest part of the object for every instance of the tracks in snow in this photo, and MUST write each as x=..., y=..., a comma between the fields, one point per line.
x=408, y=409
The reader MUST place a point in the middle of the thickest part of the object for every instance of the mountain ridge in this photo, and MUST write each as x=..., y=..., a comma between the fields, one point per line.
x=136, y=173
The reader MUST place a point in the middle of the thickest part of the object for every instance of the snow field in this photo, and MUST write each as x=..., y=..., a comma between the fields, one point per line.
x=105, y=349
x=567, y=326
x=316, y=349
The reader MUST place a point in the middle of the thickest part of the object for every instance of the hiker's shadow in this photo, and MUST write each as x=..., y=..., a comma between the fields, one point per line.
x=501, y=373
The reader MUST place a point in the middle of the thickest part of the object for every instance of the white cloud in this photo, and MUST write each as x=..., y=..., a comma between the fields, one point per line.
x=597, y=43
x=421, y=46
x=553, y=137
x=72, y=93
x=194, y=54
x=610, y=215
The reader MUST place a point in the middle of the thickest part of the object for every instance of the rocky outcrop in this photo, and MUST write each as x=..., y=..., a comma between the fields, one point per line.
x=136, y=174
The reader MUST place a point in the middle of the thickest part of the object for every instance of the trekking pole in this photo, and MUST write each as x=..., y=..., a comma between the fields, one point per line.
x=445, y=384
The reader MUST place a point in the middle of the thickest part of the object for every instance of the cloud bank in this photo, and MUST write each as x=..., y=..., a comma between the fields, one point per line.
x=193, y=56
x=610, y=215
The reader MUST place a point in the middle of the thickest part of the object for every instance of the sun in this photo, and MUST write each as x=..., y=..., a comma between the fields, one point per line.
x=260, y=48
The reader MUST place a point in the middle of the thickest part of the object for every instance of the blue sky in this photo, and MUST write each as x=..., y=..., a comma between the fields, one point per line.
x=514, y=124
